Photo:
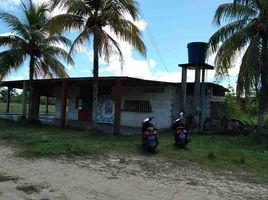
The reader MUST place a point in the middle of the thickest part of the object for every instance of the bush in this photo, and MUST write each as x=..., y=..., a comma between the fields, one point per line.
x=231, y=104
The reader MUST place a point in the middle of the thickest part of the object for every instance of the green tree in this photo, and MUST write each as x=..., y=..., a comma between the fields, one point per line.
x=231, y=104
x=244, y=26
x=31, y=41
x=4, y=94
x=93, y=18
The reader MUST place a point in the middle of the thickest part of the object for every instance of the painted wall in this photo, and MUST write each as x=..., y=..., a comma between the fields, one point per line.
x=161, y=104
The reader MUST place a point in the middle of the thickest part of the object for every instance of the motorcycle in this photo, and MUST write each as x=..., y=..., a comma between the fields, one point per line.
x=181, y=134
x=149, y=135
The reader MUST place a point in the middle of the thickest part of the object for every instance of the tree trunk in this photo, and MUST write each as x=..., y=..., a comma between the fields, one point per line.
x=95, y=81
x=31, y=73
x=264, y=85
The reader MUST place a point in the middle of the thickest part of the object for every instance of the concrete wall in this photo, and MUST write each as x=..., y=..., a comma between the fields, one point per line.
x=161, y=104
x=72, y=112
x=57, y=94
x=175, y=102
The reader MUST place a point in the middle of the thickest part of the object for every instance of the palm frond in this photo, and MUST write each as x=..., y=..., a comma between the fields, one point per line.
x=129, y=32
x=230, y=48
x=10, y=60
x=229, y=12
x=14, y=24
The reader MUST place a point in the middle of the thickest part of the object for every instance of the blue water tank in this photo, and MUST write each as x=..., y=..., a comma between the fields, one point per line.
x=197, y=52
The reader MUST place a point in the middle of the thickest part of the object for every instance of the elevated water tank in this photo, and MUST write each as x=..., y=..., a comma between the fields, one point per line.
x=197, y=52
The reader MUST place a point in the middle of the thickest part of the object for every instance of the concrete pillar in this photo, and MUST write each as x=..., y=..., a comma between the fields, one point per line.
x=8, y=100
x=183, y=89
x=24, y=100
x=197, y=98
x=64, y=90
x=202, y=103
x=118, y=96
x=36, y=105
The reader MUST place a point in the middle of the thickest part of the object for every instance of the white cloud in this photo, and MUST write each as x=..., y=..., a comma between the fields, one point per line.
x=14, y=78
x=70, y=67
x=9, y=4
x=152, y=63
x=6, y=34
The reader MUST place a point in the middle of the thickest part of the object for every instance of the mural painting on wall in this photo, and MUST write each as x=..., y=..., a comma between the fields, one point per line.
x=106, y=110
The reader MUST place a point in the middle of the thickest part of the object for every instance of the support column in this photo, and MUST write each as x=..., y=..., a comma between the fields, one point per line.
x=36, y=105
x=202, y=105
x=8, y=100
x=47, y=103
x=24, y=100
x=197, y=98
x=183, y=89
x=63, y=103
x=118, y=96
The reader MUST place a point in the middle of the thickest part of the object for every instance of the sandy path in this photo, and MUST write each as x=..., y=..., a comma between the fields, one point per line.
x=119, y=177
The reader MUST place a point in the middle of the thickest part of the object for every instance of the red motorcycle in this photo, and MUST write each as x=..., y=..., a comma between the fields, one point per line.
x=181, y=134
x=149, y=135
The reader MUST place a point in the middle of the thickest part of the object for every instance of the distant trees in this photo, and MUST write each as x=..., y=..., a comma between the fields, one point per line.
x=4, y=93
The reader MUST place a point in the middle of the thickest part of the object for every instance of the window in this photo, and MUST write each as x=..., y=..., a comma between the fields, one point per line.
x=137, y=106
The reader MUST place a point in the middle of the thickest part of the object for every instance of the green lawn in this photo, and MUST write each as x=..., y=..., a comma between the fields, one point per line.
x=237, y=153
x=17, y=108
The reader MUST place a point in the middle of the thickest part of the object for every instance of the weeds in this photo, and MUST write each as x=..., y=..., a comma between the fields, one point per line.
x=29, y=189
x=5, y=178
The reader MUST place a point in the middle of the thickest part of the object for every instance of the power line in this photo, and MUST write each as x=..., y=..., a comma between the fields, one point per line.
x=155, y=45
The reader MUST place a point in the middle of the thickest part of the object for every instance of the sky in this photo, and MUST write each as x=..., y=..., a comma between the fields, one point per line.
x=167, y=27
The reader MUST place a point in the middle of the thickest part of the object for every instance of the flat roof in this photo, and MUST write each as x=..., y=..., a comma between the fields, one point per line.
x=47, y=84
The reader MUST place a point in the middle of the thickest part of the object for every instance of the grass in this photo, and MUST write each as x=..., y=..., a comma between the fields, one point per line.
x=5, y=178
x=240, y=154
x=17, y=108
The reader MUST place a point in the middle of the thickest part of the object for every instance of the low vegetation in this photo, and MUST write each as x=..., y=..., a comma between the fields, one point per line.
x=5, y=178
x=240, y=154
x=29, y=189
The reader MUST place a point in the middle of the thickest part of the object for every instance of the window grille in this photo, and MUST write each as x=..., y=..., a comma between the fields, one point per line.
x=137, y=106
x=154, y=90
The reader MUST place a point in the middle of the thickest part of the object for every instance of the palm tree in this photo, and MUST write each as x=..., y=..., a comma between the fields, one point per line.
x=244, y=26
x=31, y=41
x=93, y=18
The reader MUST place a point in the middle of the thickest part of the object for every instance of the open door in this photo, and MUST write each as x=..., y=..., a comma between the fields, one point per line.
x=84, y=110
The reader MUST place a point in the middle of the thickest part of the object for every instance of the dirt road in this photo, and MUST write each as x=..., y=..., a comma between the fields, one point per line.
x=119, y=177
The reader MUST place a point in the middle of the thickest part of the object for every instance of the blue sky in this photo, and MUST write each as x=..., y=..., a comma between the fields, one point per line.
x=173, y=24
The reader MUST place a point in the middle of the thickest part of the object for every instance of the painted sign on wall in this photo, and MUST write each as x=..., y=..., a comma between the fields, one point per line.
x=106, y=110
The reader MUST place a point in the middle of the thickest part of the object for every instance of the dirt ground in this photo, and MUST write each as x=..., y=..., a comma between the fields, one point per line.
x=119, y=177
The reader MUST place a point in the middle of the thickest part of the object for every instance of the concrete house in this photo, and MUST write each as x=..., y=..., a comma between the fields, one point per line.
x=123, y=101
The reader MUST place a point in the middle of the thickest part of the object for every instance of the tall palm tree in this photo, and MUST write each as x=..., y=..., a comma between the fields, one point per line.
x=93, y=18
x=244, y=28
x=30, y=40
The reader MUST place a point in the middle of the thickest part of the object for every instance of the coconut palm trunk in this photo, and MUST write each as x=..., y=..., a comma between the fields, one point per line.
x=264, y=83
x=95, y=80
x=31, y=75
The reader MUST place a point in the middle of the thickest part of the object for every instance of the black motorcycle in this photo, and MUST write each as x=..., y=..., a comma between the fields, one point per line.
x=181, y=134
x=149, y=135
